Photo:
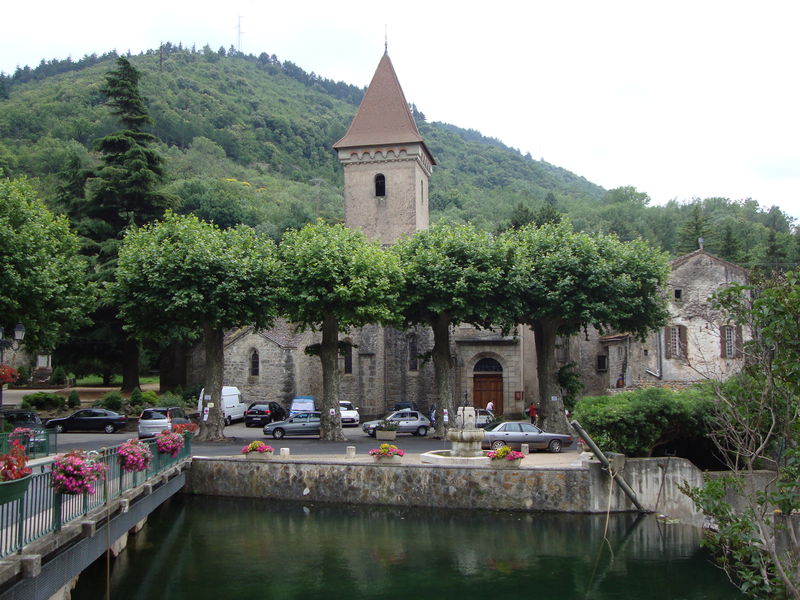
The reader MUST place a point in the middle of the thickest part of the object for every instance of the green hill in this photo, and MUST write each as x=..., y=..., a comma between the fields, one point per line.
x=248, y=139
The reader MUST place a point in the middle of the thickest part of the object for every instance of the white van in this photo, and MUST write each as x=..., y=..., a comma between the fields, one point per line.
x=232, y=406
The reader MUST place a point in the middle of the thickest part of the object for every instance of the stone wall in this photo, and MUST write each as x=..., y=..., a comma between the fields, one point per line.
x=581, y=488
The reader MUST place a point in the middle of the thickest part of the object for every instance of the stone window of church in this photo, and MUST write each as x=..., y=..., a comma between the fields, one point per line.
x=676, y=342
x=380, y=185
x=348, y=360
x=254, y=364
x=413, y=354
x=678, y=294
x=602, y=362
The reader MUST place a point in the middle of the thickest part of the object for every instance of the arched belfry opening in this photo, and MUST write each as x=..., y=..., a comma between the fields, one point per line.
x=380, y=185
x=487, y=384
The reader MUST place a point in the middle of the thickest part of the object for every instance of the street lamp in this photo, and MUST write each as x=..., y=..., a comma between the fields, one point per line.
x=19, y=335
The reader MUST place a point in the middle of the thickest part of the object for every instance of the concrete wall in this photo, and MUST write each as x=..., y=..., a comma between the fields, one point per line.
x=581, y=488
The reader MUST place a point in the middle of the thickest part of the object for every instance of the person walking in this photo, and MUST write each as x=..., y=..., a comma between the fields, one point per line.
x=490, y=407
x=532, y=413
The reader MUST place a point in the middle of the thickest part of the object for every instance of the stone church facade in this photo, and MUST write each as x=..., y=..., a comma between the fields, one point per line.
x=387, y=167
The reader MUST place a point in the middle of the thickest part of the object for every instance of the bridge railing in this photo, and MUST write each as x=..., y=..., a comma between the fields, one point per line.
x=41, y=510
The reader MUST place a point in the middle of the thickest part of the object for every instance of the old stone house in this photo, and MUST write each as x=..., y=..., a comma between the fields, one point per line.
x=387, y=167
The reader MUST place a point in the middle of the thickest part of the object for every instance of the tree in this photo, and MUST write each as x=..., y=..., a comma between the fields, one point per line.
x=561, y=282
x=453, y=274
x=755, y=427
x=183, y=278
x=41, y=271
x=122, y=193
x=336, y=279
x=693, y=229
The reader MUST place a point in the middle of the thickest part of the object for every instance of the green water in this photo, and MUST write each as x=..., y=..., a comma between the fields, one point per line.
x=238, y=549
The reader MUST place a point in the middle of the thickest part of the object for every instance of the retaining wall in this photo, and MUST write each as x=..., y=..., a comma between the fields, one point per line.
x=583, y=487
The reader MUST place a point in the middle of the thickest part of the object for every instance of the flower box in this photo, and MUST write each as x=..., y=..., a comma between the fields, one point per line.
x=14, y=489
x=506, y=464
x=389, y=460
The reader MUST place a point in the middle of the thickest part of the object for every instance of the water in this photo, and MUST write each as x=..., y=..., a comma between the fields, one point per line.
x=238, y=549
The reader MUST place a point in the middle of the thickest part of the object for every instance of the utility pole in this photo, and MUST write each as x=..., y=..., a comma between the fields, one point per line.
x=239, y=35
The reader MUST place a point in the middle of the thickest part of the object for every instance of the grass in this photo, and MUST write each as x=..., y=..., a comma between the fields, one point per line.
x=116, y=381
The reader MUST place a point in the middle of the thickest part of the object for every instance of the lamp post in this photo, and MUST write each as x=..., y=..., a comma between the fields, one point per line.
x=19, y=335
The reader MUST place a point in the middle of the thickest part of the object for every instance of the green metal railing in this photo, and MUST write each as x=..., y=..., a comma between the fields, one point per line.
x=42, y=511
x=39, y=444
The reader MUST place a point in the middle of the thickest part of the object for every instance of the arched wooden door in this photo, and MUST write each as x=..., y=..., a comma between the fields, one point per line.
x=487, y=384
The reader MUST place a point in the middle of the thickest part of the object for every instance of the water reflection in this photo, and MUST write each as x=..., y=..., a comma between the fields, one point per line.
x=200, y=547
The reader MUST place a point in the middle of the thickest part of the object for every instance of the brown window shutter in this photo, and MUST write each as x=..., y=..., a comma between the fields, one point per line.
x=737, y=352
x=684, y=339
x=667, y=342
x=723, y=331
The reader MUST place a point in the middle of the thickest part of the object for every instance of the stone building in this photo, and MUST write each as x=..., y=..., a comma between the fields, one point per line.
x=387, y=167
x=697, y=344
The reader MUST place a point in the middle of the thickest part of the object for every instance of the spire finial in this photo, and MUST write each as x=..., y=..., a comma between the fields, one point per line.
x=386, y=39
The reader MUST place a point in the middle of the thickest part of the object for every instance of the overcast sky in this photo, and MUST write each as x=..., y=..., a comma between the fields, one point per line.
x=680, y=99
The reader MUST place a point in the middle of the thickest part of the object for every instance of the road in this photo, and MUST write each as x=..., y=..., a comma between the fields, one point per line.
x=238, y=435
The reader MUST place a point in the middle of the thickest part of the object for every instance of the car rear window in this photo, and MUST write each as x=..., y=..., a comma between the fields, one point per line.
x=152, y=415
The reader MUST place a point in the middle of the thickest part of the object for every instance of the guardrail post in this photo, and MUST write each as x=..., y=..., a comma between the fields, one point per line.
x=57, y=511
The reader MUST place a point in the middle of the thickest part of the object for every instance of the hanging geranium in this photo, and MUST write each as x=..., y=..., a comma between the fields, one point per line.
x=75, y=473
x=7, y=374
x=134, y=455
x=169, y=442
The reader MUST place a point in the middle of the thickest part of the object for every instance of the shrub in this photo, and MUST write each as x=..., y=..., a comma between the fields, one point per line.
x=23, y=375
x=112, y=401
x=150, y=397
x=171, y=399
x=74, y=399
x=58, y=376
x=136, y=398
x=44, y=401
x=635, y=422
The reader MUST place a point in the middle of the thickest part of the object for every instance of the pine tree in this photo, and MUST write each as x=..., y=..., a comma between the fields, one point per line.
x=694, y=228
x=729, y=244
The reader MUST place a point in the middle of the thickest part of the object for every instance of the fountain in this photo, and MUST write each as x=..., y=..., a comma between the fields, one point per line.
x=465, y=439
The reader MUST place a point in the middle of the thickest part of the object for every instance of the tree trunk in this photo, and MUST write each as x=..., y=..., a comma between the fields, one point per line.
x=441, y=369
x=172, y=367
x=551, y=405
x=212, y=430
x=130, y=365
x=331, y=420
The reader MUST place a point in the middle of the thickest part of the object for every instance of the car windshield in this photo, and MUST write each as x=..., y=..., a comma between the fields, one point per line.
x=346, y=406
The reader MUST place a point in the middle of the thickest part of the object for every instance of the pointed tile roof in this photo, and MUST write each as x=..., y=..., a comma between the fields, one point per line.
x=383, y=117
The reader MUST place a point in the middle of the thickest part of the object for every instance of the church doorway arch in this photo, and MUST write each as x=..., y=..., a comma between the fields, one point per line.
x=487, y=384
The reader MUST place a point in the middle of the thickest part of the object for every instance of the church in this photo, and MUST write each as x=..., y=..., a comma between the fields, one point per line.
x=387, y=168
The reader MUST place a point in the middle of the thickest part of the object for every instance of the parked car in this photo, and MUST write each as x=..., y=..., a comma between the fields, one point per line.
x=483, y=417
x=27, y=419
x=516, y=433
x=156, y=420
x=259, y=414
x=89, y=419
x=306, y=423
x=408, y=421
x=349, y=414
x=233, y=407
x=302, y=404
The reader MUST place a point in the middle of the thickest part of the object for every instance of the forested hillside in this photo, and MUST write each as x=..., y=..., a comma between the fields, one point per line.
x=248, y=139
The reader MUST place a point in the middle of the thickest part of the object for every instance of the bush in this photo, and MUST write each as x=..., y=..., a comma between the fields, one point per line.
x=112, y=401
x=44, y=401
x=171, y=399
x=23, y=375
x=635, y=422
x=58, y=376
x=150, y=397
x=73, y=400
x=136, y=398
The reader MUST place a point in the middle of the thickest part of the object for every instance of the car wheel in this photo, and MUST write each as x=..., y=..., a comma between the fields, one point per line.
x=555, y=446
x=109, y=428
x=59, y=428
x=497, y=444
x=422, y=431
x=371, y=433
x=278, y=433
x=227, y=420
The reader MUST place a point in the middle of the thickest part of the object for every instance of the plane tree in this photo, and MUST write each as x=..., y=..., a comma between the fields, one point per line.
x=453, y=274
x=335, y=279
x=561, y=282
x=182, y=278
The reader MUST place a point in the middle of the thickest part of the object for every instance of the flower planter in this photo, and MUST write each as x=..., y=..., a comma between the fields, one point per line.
x=506, y=464
x=385, y=435
x=14, y=489
x=258, y=455
x=388, y=461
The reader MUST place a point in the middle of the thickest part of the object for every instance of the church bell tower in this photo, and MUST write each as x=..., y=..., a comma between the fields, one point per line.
x=386, y=164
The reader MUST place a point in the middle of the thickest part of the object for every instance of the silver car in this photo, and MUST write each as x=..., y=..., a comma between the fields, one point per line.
x=304, y=423
x=407, y=421
x=516, y=433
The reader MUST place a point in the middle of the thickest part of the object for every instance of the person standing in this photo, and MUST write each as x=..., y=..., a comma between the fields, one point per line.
x=490, y=407
x=532, y=413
